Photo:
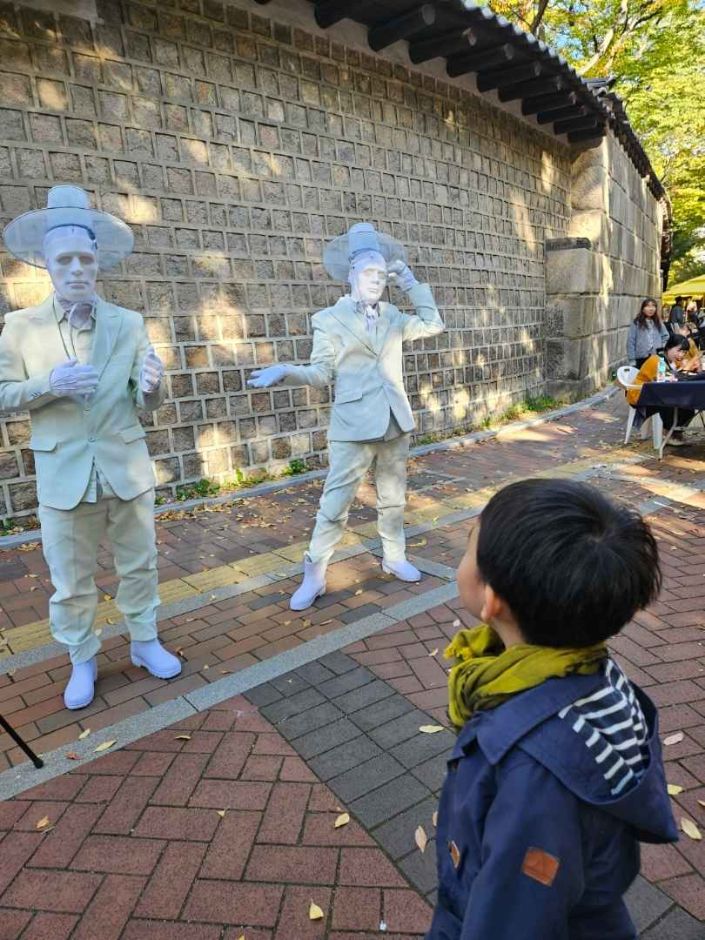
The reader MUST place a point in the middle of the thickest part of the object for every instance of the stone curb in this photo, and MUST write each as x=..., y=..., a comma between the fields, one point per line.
x=8, y=542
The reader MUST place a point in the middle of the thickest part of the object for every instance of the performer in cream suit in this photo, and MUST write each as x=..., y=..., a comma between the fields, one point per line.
x=82, y=367
x=357, y=344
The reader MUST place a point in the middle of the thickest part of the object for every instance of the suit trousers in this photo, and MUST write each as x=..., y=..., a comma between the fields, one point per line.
x=349, y=461
x=70, y=539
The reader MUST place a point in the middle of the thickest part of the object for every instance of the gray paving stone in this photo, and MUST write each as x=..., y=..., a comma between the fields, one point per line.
x=381, y=712
x=314, y=673
x=324, y=739
x=420, y=869
x=263, y=695
x=392, y=798
x=397, y=836
x=676, y=925
x=342, y=758
x=308, y=721
x=432, y=773
x=367, y=610
x=423, y=747
x=366, y=777
x=338, y=662
x=646, y=903
x=367, y=695
x=349, y=681
x=401, y=729
x=289, y=684
x=288, y=707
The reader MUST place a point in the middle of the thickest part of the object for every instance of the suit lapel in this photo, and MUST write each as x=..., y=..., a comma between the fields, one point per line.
x=383, y=324
x=344, y=312
x=107, y=327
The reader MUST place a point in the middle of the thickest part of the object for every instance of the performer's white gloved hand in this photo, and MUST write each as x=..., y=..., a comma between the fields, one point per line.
x=400, y=274
x=71, y=378
x=151, y=373
x=263, y=378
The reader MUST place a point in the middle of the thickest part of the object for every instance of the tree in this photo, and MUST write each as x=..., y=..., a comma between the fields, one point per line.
x=656, y=51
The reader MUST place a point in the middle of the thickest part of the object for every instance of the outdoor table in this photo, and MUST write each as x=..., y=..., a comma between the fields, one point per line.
x=686, y=394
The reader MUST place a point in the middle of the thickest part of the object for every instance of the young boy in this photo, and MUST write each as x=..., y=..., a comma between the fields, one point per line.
x=556, y=773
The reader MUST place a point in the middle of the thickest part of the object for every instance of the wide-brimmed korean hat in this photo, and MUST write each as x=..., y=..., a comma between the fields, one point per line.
x=339, y=253
x=68, y=205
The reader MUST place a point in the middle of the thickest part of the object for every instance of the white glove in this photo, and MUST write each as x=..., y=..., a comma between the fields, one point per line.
x=263, y=378
x=70, y=378
x=151, y=373
x=400, y=274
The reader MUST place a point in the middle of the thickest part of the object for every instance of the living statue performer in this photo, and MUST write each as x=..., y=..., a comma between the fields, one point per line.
x=358, y=343
x=82, y=367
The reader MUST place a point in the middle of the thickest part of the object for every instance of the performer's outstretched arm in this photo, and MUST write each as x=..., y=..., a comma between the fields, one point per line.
x=319, y=373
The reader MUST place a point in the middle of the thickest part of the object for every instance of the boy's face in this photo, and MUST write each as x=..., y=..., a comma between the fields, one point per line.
x=471, y=587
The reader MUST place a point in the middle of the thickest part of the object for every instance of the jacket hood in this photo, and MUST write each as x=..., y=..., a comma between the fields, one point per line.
x=598, y=735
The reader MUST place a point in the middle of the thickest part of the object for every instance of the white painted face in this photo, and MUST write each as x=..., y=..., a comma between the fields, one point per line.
x=72, y=263
x=368, y=280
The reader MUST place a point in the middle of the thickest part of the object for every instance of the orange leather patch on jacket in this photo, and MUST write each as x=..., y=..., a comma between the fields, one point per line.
x=540, y=866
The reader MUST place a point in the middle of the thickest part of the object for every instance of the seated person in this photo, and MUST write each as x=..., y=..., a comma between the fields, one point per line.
x=674, y=352
x=691, y=360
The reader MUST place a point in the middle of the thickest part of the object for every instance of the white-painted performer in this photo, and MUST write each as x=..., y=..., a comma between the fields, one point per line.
x=82, y=367
x=357, y=343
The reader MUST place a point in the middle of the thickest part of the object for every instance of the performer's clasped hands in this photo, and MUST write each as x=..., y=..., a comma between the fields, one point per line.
x=83, y=367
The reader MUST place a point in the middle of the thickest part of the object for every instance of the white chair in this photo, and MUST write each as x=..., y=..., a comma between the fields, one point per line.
x=625, y=377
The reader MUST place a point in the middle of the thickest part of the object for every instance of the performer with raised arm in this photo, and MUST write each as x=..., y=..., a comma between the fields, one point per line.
x=357, y=344
x=82, y=367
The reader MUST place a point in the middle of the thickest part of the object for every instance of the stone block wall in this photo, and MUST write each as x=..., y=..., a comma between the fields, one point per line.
x=235, y=145
x=598, y=276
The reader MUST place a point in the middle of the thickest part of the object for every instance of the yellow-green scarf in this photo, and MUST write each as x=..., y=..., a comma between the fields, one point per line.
x=486, y=673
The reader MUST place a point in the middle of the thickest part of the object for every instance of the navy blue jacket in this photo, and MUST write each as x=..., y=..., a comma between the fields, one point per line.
x=532, y=842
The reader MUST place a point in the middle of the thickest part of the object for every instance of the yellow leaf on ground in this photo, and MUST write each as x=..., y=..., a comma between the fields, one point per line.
x=701, y=802
x=674, y=738
x=84, y=734
x=419, y=544
x=359, y=591
x=341, y=820
x=434, y=818
x=104, y=746
x=221, y=813
x=691, y=830
x=456, y=624
x=420, y=838
x=431, y=729
x=182, y=737
x=434, y=652
x=107, y=597
x=673, y=789
x=315, y=912
x=43, y=823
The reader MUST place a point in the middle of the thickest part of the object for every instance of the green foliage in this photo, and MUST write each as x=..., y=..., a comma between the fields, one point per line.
x=656, y=51
x=541, y=403
x=8, y=527
x=200, y=490
x=296, y=465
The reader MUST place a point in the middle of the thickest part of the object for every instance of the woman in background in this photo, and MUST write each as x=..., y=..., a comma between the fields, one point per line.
x=647, y=334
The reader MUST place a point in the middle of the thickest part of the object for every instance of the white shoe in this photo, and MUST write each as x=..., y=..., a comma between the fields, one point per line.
x=80, y=688
x=402, y=569
x=156, y=660
x=312, y=586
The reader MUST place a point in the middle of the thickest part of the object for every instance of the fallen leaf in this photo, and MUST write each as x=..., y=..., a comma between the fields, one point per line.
x=221, y=813
x=434, y=818
x=420, y=838
x=702, y=802
x=43, y=823
x=434, y=652
x=691, y=830
x=315, y=912
x=456, y=624
x=182, y=737
x=673, y=738
x=107, y=597
x=84, y=734
x=341, y=820
x=104, y=746
x=419, y=544
x=431, y=729
x=359, y=591
x=673, y=789
x=72, y=755
x=382, y=926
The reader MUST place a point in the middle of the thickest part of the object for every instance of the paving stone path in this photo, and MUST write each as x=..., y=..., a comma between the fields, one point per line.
x=212, y=815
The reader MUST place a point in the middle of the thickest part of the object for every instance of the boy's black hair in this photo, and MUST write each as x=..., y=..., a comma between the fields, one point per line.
x=573, y=567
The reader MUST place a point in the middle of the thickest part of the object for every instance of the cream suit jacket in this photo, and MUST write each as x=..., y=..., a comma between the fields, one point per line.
x=69, y=435
x=367, y=369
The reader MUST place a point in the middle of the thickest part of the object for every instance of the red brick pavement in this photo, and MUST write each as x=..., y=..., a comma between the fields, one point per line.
x=211, y=825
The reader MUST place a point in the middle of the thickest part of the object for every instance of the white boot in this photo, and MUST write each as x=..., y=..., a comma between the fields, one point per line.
x=79, y=690
x=312, y=586
x=159, y=662
x=402, y=569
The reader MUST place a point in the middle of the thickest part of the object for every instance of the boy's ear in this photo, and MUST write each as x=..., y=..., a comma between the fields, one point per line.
x=493, y=607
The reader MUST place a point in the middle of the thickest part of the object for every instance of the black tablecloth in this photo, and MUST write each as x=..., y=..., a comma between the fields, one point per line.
x=683, y=394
